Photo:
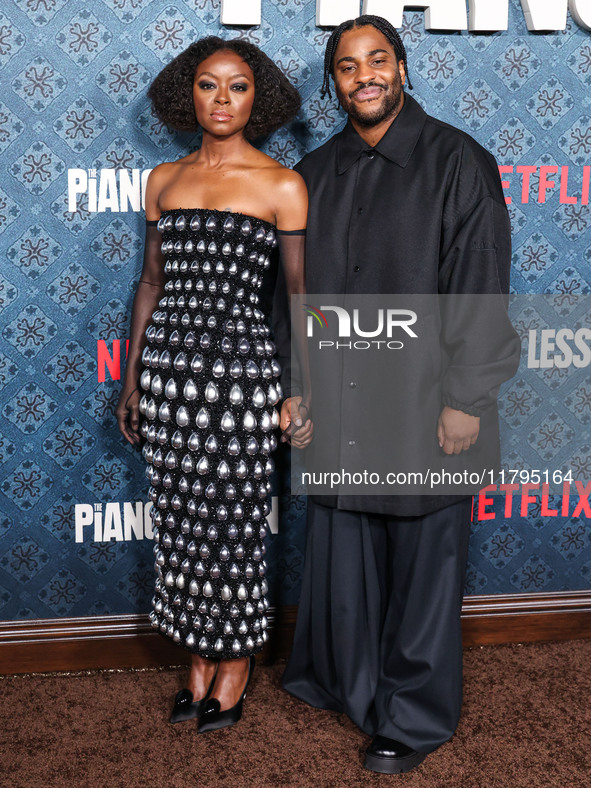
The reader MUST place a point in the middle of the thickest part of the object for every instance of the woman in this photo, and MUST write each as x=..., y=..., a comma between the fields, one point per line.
x=209, y=380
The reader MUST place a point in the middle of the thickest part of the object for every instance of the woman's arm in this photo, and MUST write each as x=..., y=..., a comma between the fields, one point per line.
x=291, y=217
x=149, y=291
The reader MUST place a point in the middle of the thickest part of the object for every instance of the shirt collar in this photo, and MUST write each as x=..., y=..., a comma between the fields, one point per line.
x=397, y=144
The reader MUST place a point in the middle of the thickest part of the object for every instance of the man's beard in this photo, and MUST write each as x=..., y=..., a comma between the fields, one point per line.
x=380, y=111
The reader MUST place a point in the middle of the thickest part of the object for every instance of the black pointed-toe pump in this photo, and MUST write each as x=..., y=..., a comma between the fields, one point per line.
x=185, y=708
x=213, y=718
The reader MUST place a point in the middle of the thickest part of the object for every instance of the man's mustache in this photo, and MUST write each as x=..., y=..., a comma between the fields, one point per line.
x=368, y=85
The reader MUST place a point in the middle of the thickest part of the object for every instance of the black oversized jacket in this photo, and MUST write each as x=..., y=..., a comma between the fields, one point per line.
x=422, y=212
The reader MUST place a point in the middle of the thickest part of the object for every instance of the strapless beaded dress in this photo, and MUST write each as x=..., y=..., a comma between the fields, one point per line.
x=210, y=384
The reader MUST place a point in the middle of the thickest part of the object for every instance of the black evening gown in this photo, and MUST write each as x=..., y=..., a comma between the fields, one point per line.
x=210, y=384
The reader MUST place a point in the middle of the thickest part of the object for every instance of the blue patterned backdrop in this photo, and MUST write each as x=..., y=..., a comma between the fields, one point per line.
x=76, y=133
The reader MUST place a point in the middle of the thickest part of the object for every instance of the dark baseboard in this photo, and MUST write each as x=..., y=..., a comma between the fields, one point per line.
x=526, y=618
x=70, y=644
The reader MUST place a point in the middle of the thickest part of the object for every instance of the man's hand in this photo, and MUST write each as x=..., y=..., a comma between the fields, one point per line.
x=296, y=428
x=456, y=430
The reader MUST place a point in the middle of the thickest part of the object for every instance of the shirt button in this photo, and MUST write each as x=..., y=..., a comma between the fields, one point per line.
x=352, y=384
x=351, y=443
x=356, y=268
x=370, y=154
x=360, y=211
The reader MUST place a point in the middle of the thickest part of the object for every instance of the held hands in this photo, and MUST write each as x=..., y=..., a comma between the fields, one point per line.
x=456, y=430
x=296, y=428
x=127, y=413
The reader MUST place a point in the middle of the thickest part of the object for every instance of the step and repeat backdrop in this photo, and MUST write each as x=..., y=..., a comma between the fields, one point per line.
x=78, y=140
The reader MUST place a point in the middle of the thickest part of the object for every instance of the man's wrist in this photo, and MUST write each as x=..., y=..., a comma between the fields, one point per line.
x=471, y=410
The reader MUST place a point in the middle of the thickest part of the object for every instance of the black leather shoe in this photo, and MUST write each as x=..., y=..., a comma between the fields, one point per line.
x=389, y=756
x=185, y=708
x=213, y=718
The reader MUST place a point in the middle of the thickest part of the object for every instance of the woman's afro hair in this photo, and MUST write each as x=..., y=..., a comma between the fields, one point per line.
x=276, y=100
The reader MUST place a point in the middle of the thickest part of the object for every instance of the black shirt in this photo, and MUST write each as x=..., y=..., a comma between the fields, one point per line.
x=421, y=212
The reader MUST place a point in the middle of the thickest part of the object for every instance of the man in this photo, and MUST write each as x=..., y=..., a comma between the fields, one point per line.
x=400, y=203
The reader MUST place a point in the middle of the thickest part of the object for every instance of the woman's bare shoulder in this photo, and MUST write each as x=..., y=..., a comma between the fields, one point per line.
x=162, y=176
x=159, y=178
x=290, y=198
x=289, y=183
x=280, y=175
x=165, y=170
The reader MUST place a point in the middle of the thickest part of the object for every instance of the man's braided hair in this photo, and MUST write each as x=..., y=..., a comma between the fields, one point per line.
x=380, y=24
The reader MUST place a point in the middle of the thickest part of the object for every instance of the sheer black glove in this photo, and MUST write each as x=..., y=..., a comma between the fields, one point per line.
x=296, y=426
x=149, y=291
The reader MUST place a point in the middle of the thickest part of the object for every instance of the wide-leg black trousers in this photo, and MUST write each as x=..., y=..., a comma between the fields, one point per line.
x=378, y=632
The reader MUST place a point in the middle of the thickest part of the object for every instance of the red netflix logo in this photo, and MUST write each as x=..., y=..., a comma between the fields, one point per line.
x=550, y=177
x=109, y=361
x=518, y=498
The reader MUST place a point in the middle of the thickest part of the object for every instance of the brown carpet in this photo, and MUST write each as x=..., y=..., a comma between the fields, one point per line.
x=526, y=723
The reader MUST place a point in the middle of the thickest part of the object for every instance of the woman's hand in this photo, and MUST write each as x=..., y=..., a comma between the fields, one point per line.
x=128, y=415
x=296, y=428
